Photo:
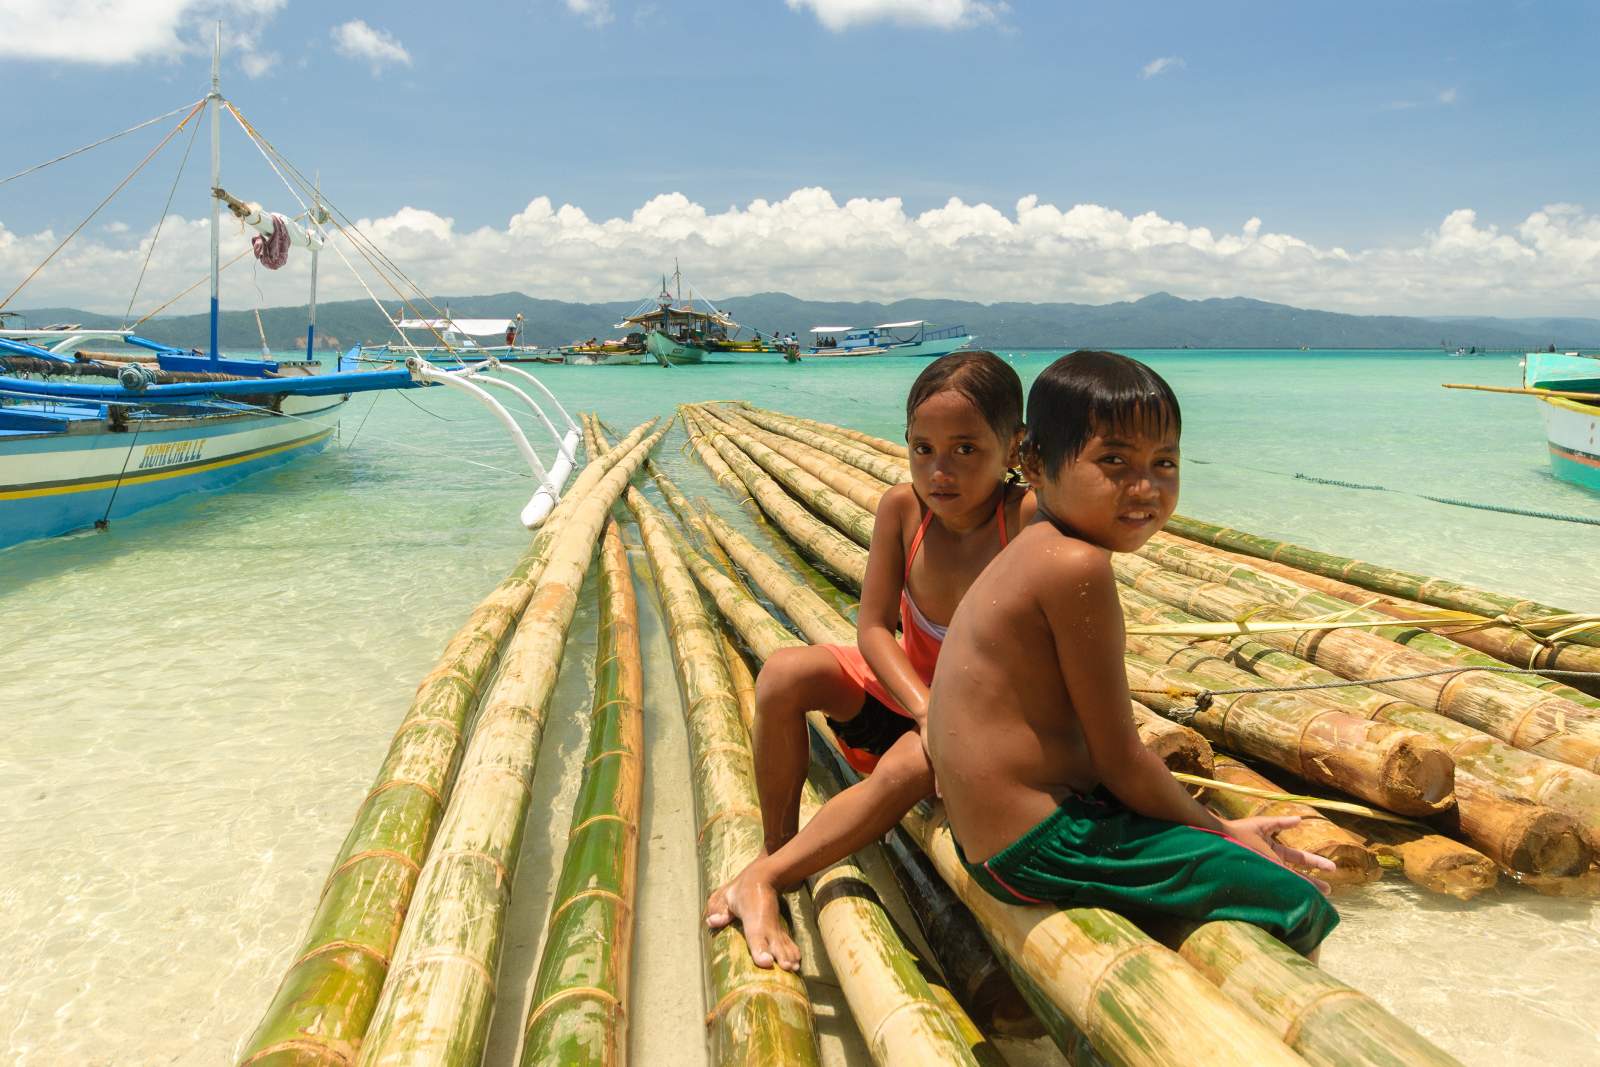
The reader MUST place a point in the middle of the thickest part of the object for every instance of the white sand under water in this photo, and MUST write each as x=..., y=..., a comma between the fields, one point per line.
x=193, y=704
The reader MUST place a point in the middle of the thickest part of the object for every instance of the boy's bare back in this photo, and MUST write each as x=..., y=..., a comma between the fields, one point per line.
x=1003, y=731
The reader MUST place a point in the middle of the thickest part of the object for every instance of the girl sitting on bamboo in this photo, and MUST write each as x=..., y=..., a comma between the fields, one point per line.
x=929, y=543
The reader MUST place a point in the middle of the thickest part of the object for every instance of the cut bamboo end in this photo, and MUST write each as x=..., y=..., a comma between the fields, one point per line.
x=1436, y=863
x=1353, y=863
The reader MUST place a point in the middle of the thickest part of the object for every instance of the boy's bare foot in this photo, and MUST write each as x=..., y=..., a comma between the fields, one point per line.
x=754, y=903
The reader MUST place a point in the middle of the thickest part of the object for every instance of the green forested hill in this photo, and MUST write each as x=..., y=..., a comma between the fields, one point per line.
x=1156, y=321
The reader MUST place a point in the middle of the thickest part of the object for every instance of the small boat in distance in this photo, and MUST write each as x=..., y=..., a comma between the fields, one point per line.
x=915, y=338
x=457, y=344
x=1571, y=414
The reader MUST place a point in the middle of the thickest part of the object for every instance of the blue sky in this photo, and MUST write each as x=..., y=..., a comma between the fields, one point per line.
x=1359, y=129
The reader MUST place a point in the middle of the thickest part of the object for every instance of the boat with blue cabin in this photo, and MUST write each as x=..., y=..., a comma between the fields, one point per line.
x=916, y=337
x=1568, y=387
x=164, y=421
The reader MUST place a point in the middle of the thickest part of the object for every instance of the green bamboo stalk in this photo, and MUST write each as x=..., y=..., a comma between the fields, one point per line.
x=1517, y=714
x=1395, y=768
x=757, y=1016
x=1509, y=645
x=324, y=1004
x=1137, y=1001
x=436, y=1003
x=888, y=448
x=814, y=538
x=1202, y=561
x=1325, y=1021
x=577, y=1014
x=845, y=516
x=701, y=538
x=1439, y=592
x=869, y=461
x=1502, y=772
x=894, y=1000
x=855, y=484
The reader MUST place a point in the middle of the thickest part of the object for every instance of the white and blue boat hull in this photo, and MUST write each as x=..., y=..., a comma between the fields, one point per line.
x=53, y=483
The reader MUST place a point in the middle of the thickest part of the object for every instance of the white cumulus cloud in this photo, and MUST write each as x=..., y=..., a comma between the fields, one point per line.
x=358, y=40
x=839, y=15
x=1160, y=66
x=812, y=244
x=594, y=12
x=112, y=32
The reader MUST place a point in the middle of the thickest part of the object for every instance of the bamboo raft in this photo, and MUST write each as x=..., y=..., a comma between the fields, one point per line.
x=1405, y=719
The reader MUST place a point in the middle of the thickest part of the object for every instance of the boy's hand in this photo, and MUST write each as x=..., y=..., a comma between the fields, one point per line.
x=1261, y=833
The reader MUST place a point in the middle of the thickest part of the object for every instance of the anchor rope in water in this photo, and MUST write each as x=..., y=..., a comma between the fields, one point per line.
x=1203, y=698
x=1504, y=509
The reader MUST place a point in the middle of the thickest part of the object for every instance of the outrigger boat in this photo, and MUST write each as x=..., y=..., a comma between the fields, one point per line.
x=914, y=338
x=458, y=342
x=678, y=331
x=1568, y=387
x=168, y=421
x=628, y=352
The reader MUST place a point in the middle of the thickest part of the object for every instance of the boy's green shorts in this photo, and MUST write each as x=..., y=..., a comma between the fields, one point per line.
x=1094, y=852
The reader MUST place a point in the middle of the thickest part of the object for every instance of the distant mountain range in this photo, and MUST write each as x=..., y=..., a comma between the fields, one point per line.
x=1157, y=321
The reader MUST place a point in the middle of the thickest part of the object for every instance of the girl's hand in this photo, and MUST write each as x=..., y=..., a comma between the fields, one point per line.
x=1261, y=833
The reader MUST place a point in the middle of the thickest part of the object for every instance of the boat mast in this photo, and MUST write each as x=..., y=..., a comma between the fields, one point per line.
x=316, y=223
x=214, y=101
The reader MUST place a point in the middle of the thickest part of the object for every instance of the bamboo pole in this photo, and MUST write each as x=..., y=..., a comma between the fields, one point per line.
x=894, y=1001
x=1390, y=766
x=1521, y=716
x=577, y=1013
x=1508, y=644
x=1180, y=748
x=1505, y=773
x=1207, y=563
x=436, y=1003
x=1135, y=1000
x=855, y=485
x=814, y=538
x=847, y=517
x=867, y=460
x=323, y=1005
x=837, y=598
x=1439, y=592
x=1437, y=863
x=1353, y=863
x=888, y=448
x=1321, y=1018
x=757, y=1016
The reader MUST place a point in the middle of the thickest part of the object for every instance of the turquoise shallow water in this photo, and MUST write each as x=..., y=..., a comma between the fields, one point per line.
x=196, y=699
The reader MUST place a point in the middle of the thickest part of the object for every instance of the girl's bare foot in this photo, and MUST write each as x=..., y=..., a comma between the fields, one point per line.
x=753, y=901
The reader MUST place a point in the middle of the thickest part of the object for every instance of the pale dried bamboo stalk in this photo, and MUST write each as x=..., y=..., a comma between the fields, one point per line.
x=884, y=468
x=436, y=1003
x=888, y=448
x=855, y=485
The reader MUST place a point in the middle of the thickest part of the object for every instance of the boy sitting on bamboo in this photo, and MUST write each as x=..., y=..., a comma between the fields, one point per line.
x=1050, y=794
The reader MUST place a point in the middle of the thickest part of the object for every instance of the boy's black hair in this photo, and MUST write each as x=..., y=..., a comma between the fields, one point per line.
x=985, y=379
x=1089, y=392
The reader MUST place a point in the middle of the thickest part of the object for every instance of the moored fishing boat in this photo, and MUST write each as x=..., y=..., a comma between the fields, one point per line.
x=1572, y=419
x=916, y=337
x=458, y=343
x=170, y=421
x=627, y=352
x=679, y=331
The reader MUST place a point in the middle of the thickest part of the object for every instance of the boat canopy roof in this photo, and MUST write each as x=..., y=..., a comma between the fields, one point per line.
x=470, y=327
x=900, y=325
x=655, y=315
x=831, y=329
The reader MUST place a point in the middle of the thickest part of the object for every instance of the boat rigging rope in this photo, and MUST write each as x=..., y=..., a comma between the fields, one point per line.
x=105, y=520
x=103, y=140
x=1505, y=509
x=1203, y=698
x=160, y=222
x=98, y=207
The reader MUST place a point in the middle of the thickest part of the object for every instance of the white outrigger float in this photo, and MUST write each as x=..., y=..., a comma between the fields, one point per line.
x=75, y=454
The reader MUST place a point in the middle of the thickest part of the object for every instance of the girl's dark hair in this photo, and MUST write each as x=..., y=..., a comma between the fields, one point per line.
x=983, y=378
x=1090, y=392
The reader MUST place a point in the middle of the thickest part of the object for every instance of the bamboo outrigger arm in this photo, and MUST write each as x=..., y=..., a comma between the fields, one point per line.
x=550, y=481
